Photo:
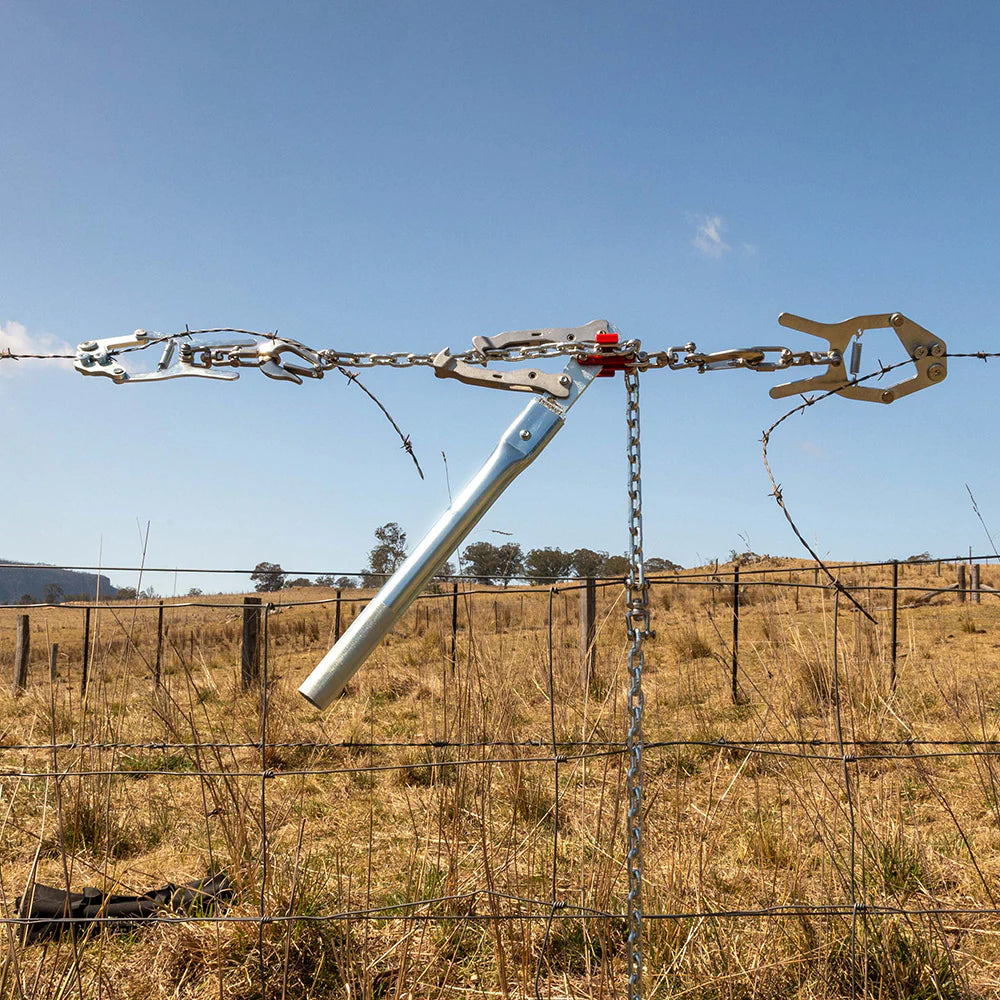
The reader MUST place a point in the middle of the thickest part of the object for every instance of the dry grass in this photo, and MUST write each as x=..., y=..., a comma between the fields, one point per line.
x=433, y=783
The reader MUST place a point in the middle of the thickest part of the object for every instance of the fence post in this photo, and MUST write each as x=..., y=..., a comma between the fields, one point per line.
x=21, y=650
x=159, y=645
x=336, y=618
x=961, y=583
x=895, y=622
x=53, y=661
x=588, y=631
x=976, y=595
x=454, y=622
x=86, y=651
x=250, y=659
x=736, y=631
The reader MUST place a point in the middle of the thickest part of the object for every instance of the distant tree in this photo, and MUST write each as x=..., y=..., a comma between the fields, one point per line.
x=268, y=576
x=616, y=566
x=346, y=582
x=26, y=599
x=384, y=559
x=919, y=557
x=587, y=562
x=448, y=569
x=125, y=594
x=194, y=592
x=299, y=581
x=657, y=565
x=148, y=594
x=53, y=593
x=548, y=564
x=490, y=563
x=325, y=581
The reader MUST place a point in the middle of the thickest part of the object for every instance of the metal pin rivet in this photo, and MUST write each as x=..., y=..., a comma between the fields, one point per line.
x=525, y=435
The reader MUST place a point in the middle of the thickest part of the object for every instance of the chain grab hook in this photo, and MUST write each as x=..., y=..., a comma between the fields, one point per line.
x=181, y=358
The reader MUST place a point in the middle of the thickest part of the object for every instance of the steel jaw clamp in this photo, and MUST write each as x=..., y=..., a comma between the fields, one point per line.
x=522, y=442
x=927, y=352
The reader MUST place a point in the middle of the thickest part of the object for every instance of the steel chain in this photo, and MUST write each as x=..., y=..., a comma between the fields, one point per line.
x=761, y=359
x=638, y=622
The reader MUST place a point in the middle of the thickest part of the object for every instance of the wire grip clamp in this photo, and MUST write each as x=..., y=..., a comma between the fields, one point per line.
x=927, y=352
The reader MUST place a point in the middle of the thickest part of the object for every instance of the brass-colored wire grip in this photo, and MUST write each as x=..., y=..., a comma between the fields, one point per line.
x=927, y=352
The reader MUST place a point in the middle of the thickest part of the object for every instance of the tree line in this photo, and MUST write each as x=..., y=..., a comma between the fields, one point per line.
x=484, y=562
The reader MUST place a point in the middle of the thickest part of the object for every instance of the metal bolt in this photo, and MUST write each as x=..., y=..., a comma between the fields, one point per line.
x=888, y=396
x=140, y=335
x=117, y=371
x=897, y=319
x=920, y=352
x=935, y=373
x=937, y=350
x=525, y=434
x=564, y=380
x=86, y=361
x=91, y=345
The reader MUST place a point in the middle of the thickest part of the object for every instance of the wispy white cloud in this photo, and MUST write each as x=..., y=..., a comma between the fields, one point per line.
x=15, y=339
x=708, y=236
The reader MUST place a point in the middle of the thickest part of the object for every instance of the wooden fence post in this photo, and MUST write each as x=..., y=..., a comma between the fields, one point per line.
x=86, y=651
x=976, y=594
x=588, y=632
x=159, y=645
x=250, y=659
x=53, y=661
x=21, y=650
x=961, y=583
x=336, y=618
x=736, y=632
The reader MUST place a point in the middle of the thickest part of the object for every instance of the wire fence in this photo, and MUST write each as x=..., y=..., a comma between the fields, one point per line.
x=821, y=793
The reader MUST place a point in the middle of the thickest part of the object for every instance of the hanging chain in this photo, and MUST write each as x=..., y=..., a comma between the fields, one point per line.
x=638, y=621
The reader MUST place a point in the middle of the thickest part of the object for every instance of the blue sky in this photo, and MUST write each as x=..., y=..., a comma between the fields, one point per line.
x=404, y=176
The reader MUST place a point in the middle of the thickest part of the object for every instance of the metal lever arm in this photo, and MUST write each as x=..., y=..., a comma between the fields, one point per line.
x=537, y=424
x=925, y=350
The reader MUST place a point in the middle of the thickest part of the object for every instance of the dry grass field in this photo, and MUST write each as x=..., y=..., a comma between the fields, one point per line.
x=456, y=829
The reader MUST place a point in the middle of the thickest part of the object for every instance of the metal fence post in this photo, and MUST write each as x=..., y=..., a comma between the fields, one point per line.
x=961, y=583
x=736, y=632
x=588, y=632
x=454, y=622
x=895, y=621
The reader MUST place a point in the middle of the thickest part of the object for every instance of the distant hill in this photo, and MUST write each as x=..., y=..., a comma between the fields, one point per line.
x=19, y=581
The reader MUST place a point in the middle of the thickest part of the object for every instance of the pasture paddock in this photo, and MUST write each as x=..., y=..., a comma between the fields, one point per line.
x=454, y=826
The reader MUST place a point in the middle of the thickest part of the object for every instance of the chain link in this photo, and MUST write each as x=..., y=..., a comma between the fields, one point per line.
x=638, y=622
x=760, y=359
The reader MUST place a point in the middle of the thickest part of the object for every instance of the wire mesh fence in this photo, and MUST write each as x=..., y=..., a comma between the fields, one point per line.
x=821, y=806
